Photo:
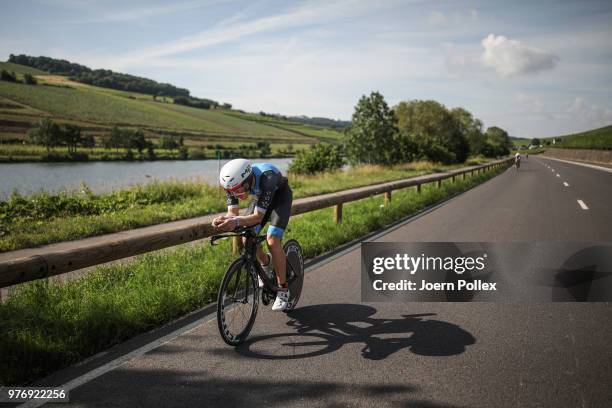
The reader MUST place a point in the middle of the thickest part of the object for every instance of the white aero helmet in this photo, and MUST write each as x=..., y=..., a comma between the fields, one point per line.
x=234, y=173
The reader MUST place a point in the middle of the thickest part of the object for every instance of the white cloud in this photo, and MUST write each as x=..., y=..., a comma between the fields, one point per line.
x=589, y=113
x=437, y=18
x=232, y=30
x=137, y=14
x=268, y=76
x=533, y=105
x=511, y=57
x=461, y=60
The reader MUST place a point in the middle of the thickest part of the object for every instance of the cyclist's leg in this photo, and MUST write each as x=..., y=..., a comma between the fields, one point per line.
x=279, y=219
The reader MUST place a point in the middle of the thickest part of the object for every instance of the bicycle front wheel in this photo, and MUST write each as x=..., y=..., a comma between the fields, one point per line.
x=237, y=302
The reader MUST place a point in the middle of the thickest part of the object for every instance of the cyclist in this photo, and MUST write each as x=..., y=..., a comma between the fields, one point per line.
x=239, y=178
x=517, y=160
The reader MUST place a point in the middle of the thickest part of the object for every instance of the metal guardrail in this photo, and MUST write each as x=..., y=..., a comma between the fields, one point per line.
x=49, y=261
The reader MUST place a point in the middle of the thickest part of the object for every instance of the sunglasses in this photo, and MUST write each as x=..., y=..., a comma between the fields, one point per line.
x=240, y=188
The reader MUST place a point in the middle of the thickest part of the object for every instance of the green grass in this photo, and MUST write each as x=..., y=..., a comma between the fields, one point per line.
x=44, y=327
x=521, y=142
x=598, y=139
x=41, y=218
x=45, y=218
x=20, y=69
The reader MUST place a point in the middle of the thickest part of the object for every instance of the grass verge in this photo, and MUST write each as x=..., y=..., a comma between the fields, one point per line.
x=45, y=327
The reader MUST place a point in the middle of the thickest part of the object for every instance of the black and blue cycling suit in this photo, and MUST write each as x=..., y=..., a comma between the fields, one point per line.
x=273, y=198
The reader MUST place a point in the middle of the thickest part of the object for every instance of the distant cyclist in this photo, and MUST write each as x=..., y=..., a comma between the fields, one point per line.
x=239, y=178
x=517, y=161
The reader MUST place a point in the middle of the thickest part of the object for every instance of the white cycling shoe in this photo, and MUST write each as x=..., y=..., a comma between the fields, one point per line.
x=282, y=301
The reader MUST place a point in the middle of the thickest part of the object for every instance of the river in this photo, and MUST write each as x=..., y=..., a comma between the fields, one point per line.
x=107, y=176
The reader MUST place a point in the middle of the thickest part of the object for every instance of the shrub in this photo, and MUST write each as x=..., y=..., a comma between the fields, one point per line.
x=28, y=79
x=318, y=158
x=7, y=76
x=197, y=154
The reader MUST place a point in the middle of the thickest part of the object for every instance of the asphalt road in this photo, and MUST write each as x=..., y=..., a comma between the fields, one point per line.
x=335, y=351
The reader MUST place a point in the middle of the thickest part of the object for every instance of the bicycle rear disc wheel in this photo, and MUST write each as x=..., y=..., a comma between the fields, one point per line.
x=295, y=266
x=237, y=302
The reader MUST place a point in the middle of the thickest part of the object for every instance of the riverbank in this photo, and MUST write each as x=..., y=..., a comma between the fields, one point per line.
x=19, y=153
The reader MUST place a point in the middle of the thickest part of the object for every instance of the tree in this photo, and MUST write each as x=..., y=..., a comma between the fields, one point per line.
x=436, y=134
x=168, y=142
x=46, y=133
x=498, y=142
x=535, y=141
x=471, y=128
x=88, y=141
x=264, y=148
x=372, y=137
x=71, y=137
x=137, y=141
x=151, y=152
x=116, y=139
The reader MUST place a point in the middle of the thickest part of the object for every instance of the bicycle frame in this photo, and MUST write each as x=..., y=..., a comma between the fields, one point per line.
x=249, y=254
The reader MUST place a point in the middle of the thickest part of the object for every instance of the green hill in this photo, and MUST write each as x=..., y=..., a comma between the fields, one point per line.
x=599, y=139
x=97, y=109
x=20, y=69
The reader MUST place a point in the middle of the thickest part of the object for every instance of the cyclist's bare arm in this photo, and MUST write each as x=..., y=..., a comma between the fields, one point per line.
x=231, y=213
x=233, y=220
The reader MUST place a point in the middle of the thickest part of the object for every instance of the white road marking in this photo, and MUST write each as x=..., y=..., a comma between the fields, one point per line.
x=609, y=170
x=558, y=175
x=552, y=170
x=583, y=205
x=565, y=184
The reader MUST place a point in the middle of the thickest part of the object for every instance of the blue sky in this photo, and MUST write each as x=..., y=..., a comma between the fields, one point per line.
x=534, y=68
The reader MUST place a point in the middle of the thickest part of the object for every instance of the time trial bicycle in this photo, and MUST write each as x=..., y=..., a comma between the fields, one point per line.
x=239, y=291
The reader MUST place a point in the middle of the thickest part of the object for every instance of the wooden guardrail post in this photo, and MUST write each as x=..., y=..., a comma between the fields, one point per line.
x=440, y=183
x=463, y=175
x=236, y=245
x=453, y=178
x=387, y=197
x=419, y=188
x=338, y=213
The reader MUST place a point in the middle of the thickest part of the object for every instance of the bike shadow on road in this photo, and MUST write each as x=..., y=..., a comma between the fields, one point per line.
x=322, y=329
